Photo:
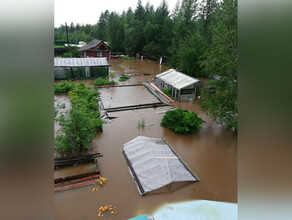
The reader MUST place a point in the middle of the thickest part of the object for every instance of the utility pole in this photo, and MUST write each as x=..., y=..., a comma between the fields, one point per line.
x=67, y=33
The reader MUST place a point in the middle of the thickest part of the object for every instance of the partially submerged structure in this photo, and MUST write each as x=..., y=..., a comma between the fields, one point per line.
x=80, y=68
x=153, y=164
x=181, y=86
x=96, y=48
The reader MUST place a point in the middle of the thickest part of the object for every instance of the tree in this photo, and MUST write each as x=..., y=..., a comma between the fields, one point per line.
x=76, y=132
x=220, y=101
x=184, y=26
x=102, y=25
x=116, y=32
x=189, y=55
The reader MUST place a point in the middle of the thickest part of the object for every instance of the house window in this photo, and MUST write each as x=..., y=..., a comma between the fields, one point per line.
x=99, y=53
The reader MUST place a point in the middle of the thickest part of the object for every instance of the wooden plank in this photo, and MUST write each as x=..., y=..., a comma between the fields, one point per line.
x=74, y=177
x=162, y=93
x=69, y=161
x=134, y=107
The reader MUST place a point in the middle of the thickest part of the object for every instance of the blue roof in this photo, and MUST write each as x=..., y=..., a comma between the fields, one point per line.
x=142, y=217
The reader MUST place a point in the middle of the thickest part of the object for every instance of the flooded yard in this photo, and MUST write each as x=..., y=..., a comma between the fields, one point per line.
x=125, y=96
x=211, y=154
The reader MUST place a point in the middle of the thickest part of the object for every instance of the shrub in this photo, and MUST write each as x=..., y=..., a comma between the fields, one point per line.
x=76, y=132
x=166, y=92
x=124, y=78
x=79, y=126
x=102, y=82
x=64, y=87
x=84, y=98
x=112, y=75
x=182, y=121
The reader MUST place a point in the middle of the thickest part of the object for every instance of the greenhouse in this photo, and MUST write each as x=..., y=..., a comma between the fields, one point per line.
x=181, y=86
x=153, y=163
x=80, y=68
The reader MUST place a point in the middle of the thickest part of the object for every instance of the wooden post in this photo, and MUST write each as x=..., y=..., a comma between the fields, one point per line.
x=67, y=33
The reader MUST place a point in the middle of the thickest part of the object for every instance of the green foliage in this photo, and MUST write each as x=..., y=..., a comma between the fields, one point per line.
x=73, y=51
x=76, y=132
x=63, y=87
x=220, y=101
x=102, y=82
x=141, y=124
x=55, y=112
x=84, y=98
x=166, y=92
x=59, y=46
x=67, y=55
x=79, y=73
x=189, y=54
x=112, y=75
x=128, y=58
x=124, y=78
x=115, y=32
x=182, y=121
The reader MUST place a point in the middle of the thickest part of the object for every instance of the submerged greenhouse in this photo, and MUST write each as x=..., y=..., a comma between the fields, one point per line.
x=153, y=163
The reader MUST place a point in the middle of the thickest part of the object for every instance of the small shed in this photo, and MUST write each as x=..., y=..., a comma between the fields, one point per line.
x=79, y=68
x=181, y=86
x=96, y=48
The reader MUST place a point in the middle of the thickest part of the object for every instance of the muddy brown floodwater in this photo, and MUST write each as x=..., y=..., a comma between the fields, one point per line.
x=211, y=154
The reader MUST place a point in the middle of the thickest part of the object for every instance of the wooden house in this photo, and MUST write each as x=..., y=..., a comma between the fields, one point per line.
x=96, y=48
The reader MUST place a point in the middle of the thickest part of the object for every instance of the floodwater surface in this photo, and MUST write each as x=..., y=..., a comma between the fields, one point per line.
x=113, y=97
x=211, y=154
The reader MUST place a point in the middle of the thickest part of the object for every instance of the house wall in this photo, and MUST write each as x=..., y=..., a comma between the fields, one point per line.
x=96, y=54
x=91, y=54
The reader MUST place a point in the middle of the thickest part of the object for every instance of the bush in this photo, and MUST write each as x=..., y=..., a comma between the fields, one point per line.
x=64, y=87
x=79, y=126
x=102, y=82
x=84, y=98
x=182, y=121
x=124, y=78
x=166, y=92
x=76, y=132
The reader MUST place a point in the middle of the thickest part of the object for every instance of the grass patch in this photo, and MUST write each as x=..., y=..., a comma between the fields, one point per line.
x=103, y=82
x=59, y=46
x=128, y=58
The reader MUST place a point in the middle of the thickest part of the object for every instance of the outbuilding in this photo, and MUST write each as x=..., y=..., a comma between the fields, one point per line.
x=80, y=68
x=96, y=48
x=181, y=86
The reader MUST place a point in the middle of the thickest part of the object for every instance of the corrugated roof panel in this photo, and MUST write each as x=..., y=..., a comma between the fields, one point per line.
x=92, y=44
x=80, y=62
x=176, y=79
